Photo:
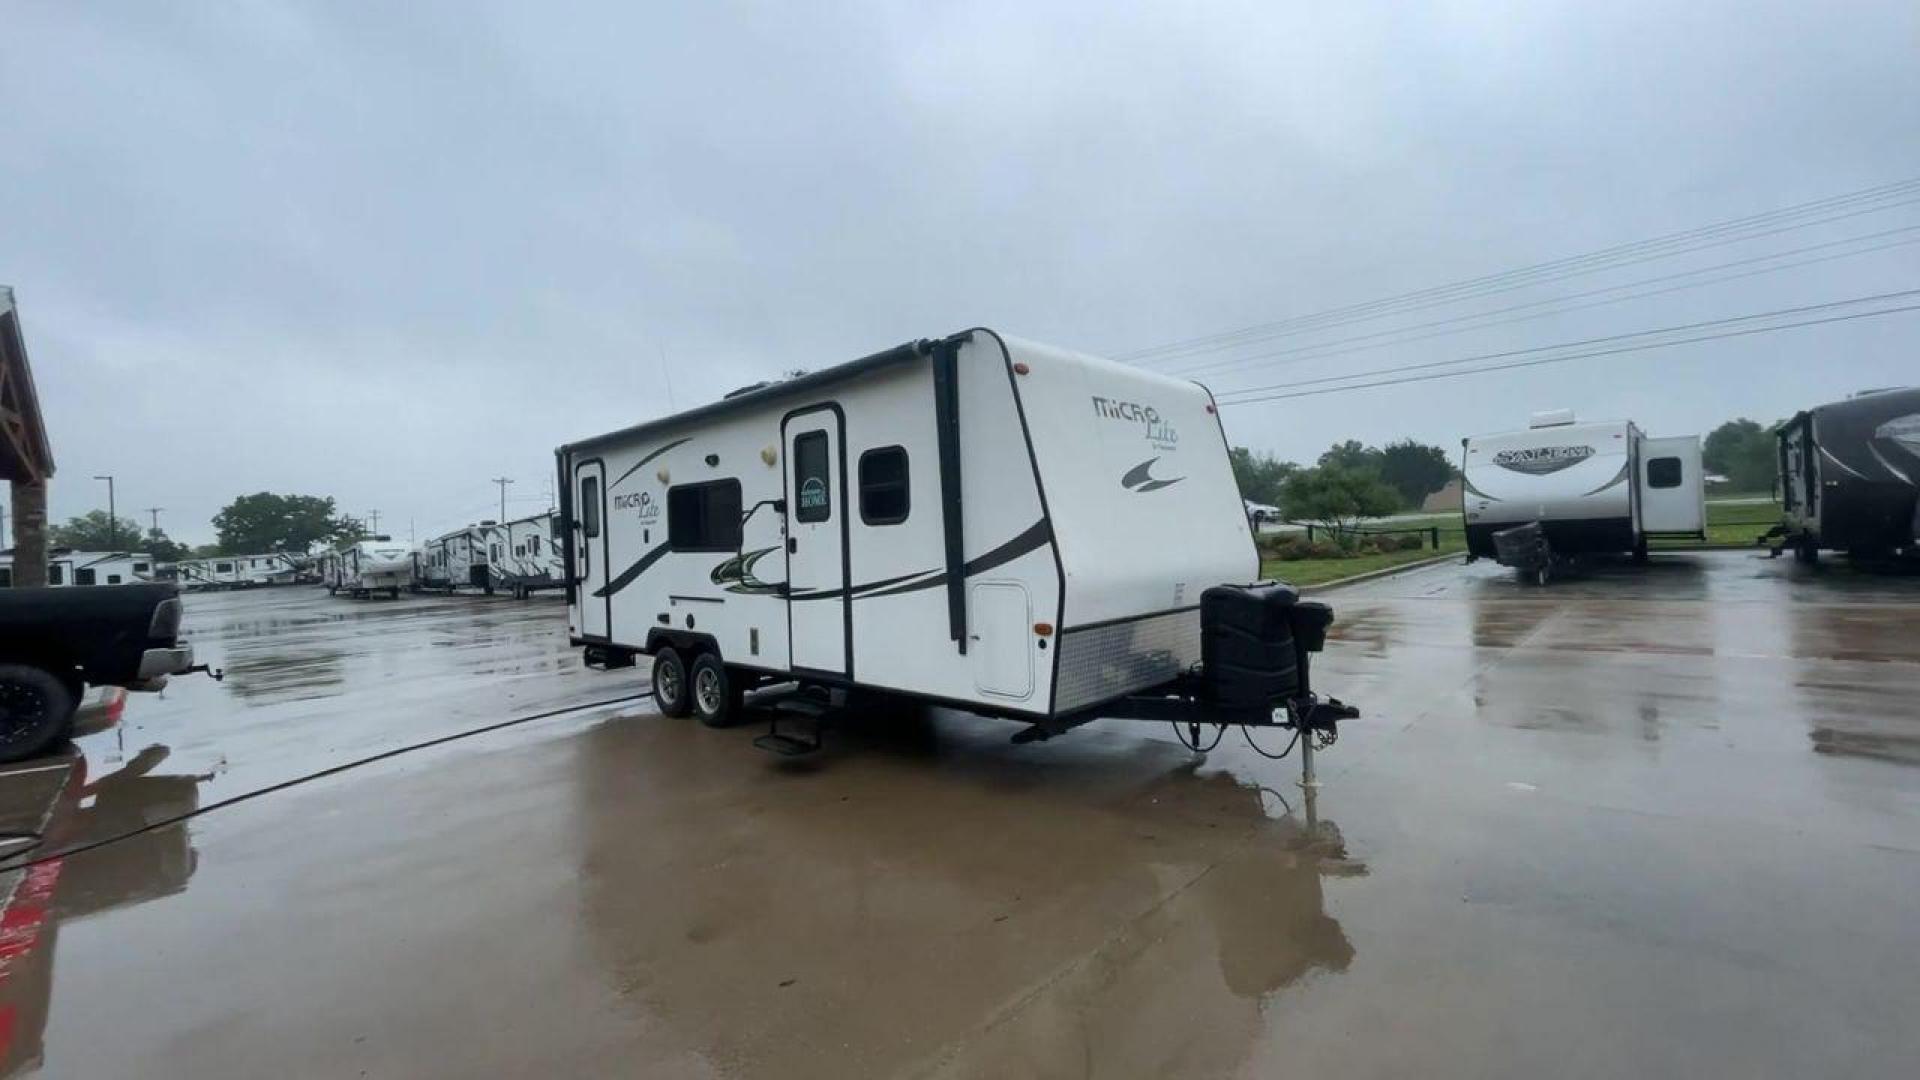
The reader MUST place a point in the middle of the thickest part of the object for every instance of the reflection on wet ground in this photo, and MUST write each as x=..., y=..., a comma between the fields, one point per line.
x=1648, y=824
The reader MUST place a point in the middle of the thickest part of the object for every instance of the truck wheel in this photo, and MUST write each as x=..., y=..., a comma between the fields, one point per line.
x=36, y=710
x=670, y=683
x=716, y=694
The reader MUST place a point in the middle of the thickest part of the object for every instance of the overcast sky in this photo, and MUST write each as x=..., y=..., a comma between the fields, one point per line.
x=386, y=251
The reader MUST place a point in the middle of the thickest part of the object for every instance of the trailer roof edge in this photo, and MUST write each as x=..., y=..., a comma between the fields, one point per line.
x=754, y=398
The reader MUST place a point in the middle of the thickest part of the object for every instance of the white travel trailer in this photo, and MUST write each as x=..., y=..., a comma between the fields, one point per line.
x=1004, y=527
x=68, y=567
x=362, y=568
x=237, y=571
x=525, y=556
x=458, y=560
x=1566, y=488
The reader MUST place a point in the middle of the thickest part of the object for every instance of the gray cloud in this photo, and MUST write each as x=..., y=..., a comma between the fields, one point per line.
x=385, y=252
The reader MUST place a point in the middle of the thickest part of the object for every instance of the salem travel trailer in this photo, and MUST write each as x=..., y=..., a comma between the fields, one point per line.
x=362, y=568
x=1004, y=527
x=1564, y=488
x=526, y=555
x=1850, y=476
x=68, y=567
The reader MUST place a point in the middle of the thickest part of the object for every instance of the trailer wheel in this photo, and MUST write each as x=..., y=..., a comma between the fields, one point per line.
x=393, y=593
x=1807, y=551
x=1541, y=575
x=670, y=682
x=36, y=710
x=716, y=694
x=1640, y=550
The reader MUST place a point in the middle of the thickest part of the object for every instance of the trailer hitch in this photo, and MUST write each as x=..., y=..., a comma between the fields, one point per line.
x=217, y=674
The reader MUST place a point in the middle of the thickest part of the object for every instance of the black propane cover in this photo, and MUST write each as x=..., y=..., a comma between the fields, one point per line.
x=1254, y=641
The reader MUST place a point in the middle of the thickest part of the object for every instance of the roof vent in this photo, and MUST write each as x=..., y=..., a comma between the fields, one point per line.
x=1551, y=418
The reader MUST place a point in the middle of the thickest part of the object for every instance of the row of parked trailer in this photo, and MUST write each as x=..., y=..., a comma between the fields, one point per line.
x=1848, y=479
x=520, y=557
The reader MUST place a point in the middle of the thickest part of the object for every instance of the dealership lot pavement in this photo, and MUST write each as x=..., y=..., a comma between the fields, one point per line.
x=1649, y=820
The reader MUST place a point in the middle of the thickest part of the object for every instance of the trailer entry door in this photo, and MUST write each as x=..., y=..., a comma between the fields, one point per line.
x=818, y=608
x=590, y=534
x=1672, y=488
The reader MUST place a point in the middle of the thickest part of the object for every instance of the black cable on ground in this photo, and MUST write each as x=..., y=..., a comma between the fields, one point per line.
x=1248, y=734
x=333, y=770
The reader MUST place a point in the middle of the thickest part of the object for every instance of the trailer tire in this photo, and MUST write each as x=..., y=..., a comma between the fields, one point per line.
x=716, y=694
x=1640, y=550
x=1542, y=575
x=36, y=710
x=1806, y=552
x=670, y=682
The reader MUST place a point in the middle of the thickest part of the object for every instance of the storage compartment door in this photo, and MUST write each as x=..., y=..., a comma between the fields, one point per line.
x=1672, y=486
x=1000, y=639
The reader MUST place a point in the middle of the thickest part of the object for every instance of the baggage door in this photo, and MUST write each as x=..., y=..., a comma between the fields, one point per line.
x=1672, y=486
x=590, y=552
x=818, y=609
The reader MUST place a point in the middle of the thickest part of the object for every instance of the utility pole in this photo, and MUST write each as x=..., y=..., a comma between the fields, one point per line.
x=373, y=523
x=155, y=512
x=113, y=522
x=503, y=482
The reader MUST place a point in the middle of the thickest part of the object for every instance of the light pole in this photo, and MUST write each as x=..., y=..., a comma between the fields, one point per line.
x=113, y=523
x=503, y=482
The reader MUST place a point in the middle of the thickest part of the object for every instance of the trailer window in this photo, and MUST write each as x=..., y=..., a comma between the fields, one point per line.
x=139, y=568
x=83, y=576
x=704, y=517
x=54, y=571
x=1663, y=472
x=223, y=568
x=113, y=579
x=590, y=506
x=813, y=486
x=883, y=486
x=6, y=577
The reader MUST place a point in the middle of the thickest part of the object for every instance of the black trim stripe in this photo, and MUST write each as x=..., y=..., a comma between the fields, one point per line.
x=643, y=461
x=1620, y=477
x=628, y=575
x=1035, y=536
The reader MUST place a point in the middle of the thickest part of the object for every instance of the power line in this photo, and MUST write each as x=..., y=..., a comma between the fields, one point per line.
x=1731, y=231
x=1302, y=353
x=1430, y=376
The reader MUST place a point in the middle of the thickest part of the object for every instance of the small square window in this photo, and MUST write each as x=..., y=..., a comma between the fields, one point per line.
x=1663, y=472
x=884, y=498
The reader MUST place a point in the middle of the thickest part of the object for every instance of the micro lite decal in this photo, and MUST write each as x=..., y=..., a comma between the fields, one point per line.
x=1541, y=460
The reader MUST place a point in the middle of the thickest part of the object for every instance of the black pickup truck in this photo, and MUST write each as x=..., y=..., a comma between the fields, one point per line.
x=55, y=642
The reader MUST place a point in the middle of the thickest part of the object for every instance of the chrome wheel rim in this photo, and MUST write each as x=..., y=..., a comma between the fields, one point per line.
x=666, y=683
x=706, y=689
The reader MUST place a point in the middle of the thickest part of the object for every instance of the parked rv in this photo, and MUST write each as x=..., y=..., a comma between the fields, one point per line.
x=525, y=556
x=364, y=567
x=1850, y=476
x=237, y=571
x=1000, y=526
x=1562, y=488
x=66, y=566
x=459, y=558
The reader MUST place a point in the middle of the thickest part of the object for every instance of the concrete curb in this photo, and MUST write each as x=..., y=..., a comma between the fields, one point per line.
x=1452, y=556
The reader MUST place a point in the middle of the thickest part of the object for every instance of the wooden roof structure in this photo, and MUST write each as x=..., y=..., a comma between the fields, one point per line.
x=25, y=453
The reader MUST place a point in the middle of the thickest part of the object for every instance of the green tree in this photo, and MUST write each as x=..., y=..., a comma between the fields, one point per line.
x=95, y=531
x=265, y=521
x=1337, y=498
x=1260, y=476
x=1352, y=456
x=1743, y=452
x=162, y=547
x=1414, y=469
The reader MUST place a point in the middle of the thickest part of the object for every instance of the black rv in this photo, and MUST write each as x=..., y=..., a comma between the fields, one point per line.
x=1850, y=476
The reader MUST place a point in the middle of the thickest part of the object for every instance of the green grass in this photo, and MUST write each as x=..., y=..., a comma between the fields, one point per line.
x=1737, y=523
x=1320, y=571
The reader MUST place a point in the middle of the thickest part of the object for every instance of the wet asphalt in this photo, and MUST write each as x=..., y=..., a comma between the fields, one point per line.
x=1647, y=821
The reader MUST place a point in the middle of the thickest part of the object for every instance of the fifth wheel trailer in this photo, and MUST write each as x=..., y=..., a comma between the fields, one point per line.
x=1004, y=527
x=1561, y=488
x=1850, y=476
